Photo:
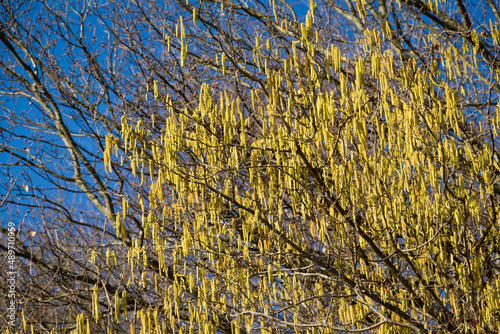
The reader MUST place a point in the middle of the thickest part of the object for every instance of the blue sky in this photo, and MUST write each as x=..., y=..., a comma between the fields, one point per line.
x=26, y=178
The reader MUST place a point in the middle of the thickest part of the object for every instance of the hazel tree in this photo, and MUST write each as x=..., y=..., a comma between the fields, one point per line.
x=262, y=170
x=344, y=193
